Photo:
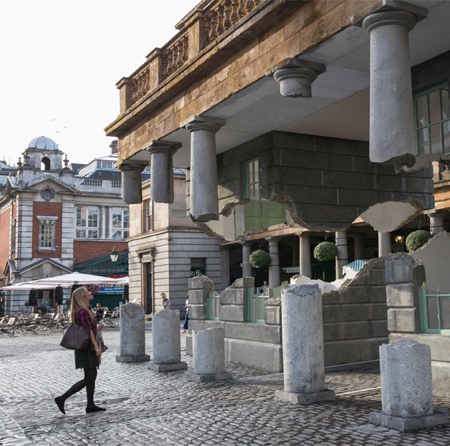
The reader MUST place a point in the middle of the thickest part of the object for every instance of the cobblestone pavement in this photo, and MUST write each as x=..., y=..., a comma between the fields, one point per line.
x=145, y=407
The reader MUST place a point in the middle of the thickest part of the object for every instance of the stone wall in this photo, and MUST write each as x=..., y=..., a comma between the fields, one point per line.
x=354, y=321
x=404, y=277
x=324, y=182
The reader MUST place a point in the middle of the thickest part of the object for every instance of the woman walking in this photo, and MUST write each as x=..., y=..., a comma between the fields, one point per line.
x=89, y=359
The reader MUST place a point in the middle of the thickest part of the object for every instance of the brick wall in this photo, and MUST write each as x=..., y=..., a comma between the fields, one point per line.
x=50, y=210
x=87, y=250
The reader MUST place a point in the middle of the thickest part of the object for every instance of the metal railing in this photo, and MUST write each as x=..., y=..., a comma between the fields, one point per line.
x=256, y=311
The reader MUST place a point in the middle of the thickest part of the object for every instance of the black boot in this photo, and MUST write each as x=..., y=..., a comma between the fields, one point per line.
x=60, y=403
x=94, y=408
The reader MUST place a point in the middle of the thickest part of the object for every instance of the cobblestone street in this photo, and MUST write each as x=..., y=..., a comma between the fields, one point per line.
x=145, y=407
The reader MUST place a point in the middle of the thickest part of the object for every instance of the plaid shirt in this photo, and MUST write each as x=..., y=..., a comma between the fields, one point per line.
x=82, y=318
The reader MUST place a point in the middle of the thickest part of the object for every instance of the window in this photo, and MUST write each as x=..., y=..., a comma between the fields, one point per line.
x=47, y=233
x=148, y=209
x=252, y=180
x=198, y=266
x=432, y=120
x=87, y=225
x=435, y=312
x=119, y=223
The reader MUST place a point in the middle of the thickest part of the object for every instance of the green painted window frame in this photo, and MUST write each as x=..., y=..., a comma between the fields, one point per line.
x=427, y=128
x=251, y=179
x=424, y=313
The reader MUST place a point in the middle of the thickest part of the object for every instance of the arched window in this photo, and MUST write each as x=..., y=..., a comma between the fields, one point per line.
x=45, y=163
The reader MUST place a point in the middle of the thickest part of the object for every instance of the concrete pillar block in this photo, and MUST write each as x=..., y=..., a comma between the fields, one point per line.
x=303, y=349
x=209, y=356
x=406, y=387
x=132, y=334
x=403, y=320
x=131, y=183
x=402, y=295
x=166, y=341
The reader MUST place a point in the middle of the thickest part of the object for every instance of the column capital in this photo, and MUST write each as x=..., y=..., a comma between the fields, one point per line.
x=387, y=9
x=132, y=166
x=163, y=147
x=197, y=122
x=295, y=76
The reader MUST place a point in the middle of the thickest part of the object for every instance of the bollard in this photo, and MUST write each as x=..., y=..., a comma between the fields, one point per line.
x=209, y=356
x=406, y=388
x=166, y=341
x=303, y=351
x=132, y=334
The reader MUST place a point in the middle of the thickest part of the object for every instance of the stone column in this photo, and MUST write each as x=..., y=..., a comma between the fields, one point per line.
x=295, y=77
x=384, y=243
x=225, y=267
x=132, y=334
x=274, y=267
x=436, y=224
x=203, y=200
x=342, y=257
x=406, y=388
x=131, y=183
x=161, y=162
x=209, y=356
x=166, y=341
x=390, y=85
x=246, y=267
x=303, y=350
x=305, y=254
x=359, y=246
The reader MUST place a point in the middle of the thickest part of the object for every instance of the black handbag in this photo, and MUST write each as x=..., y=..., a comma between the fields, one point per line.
x=75, y=338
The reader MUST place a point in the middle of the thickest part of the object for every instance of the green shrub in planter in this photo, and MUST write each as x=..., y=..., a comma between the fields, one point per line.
x=259, y=259
x=325, y=251
x=416, y=239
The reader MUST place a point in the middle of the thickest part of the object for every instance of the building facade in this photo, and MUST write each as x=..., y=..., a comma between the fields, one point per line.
x=53, y=219
x=312, y=117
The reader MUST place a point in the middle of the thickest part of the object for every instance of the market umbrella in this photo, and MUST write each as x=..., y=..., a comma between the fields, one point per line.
x=26, y=286
x=75, y=278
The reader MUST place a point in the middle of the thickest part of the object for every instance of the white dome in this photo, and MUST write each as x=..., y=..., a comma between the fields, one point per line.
x=43, y=143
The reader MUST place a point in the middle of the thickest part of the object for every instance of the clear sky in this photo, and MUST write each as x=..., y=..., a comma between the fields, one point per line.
x=60, y=61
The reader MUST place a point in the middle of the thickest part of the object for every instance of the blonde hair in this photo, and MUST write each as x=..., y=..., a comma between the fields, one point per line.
x=80, y=300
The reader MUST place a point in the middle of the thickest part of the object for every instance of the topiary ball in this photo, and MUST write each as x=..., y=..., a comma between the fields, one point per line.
x=416, y=239
x=259, y=259
x=325, y=251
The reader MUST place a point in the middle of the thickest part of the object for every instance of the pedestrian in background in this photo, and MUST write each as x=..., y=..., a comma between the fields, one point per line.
x=89, y=359
x=186, y=316
x=165, y=300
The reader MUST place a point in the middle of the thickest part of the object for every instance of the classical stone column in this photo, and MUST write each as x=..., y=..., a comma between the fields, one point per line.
x=305, y=254
x=406, y=388
x=225, y=266
x=436, y=223
x=131, y=183
x=390, y=85
x=295, y=77
x=384, y=243
x=161, y=162
x=246, y=267
x=203, y=200
x=303, y=350
x=274, y=268
x=358, y=246
x=342, y=257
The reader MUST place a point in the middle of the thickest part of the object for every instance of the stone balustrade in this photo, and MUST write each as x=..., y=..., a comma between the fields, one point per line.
x=197, y=31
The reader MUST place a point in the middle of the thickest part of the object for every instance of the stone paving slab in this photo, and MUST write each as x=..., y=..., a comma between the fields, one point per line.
x=145, y=407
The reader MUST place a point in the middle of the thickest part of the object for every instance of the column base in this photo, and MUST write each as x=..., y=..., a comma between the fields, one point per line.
x=203, y=378
x=404, y=424
x=128, y=359
x=305, y=398
x=168, y=367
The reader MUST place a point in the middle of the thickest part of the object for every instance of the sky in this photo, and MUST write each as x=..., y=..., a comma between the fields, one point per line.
x=61, y=60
